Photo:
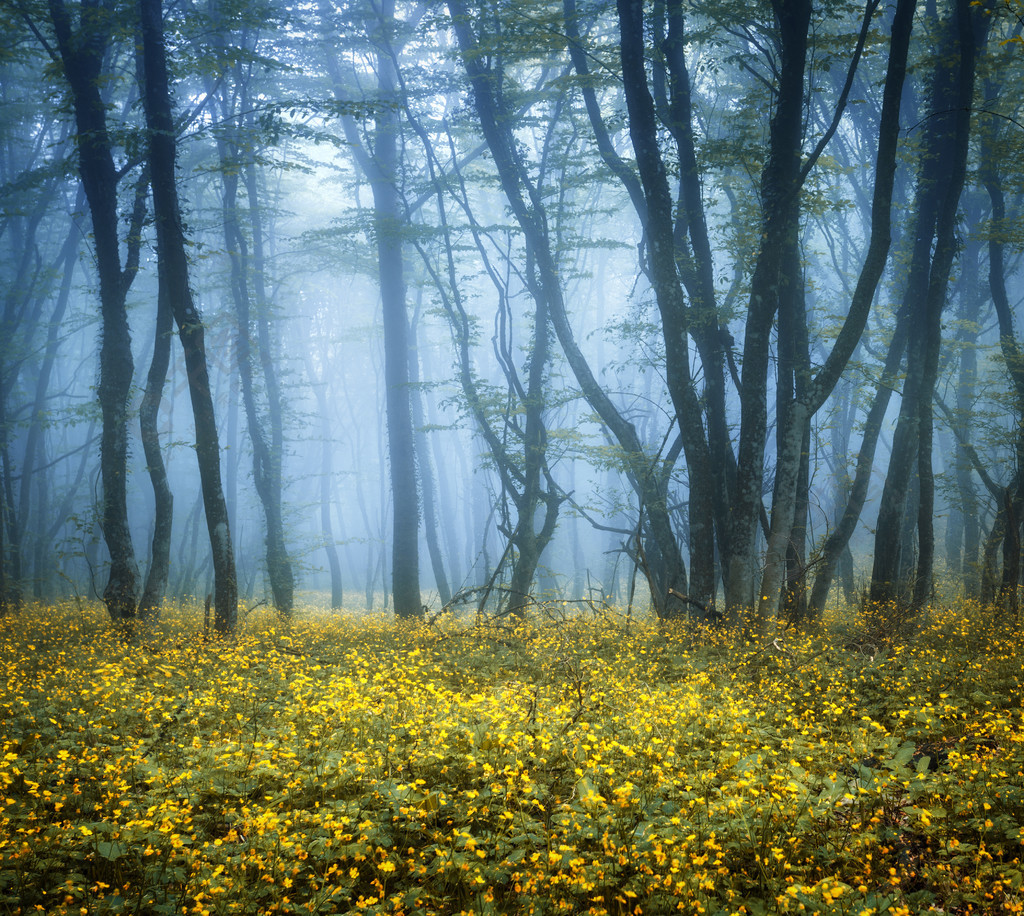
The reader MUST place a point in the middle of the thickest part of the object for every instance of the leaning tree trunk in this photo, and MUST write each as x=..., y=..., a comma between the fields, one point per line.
x=661, y=245
x=528, y=207
x=173, y=266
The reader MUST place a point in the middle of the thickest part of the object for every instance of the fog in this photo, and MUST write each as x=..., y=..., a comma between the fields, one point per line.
x=513, y=303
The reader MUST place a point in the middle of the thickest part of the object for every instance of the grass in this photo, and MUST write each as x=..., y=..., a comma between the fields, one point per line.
x=349, y=763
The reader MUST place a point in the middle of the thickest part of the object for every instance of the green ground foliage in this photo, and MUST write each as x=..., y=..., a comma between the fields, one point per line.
x=566, y=765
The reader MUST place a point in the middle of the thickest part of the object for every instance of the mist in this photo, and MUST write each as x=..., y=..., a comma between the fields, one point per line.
x=478, y=307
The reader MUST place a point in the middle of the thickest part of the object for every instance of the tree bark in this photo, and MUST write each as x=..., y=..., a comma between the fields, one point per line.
x=940, y=184
x=246, y=284
x=82, y=51
x=1012, y=510
x=160, y=552
x=661, y=246
x=173, y=266
x=770, y=283
x=382, y=168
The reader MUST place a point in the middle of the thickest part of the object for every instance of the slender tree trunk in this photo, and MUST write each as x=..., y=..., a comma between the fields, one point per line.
x=709, y=461
x=382, y=167
x=643, y=131
x=149, y=412
x=35, y=437
x=963, y=538
x=839, y=540
x=266, y=450
x=326, y=474
x=426, y=469
x=528, y=207
x=279, y=564
x=82, y=55
x=942, y=178
x=770, y=283
x=1012, y=508
x=173, y=264
x=777, y=278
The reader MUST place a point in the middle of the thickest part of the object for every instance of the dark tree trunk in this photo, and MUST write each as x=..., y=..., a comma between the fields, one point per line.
x=82, y=51
x=173, y=265
x=837, y=543
x=661, y=245
x=941, y=181
x=149, y=412
x=824, y=382
x=709, y=461
x=780, y=202
x=963, y=539
x=388, y=229
x=1012, y=508
x=528, y=207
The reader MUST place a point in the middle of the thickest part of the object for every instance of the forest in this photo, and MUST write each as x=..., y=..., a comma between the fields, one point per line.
x=512, y=457
x=702, y=307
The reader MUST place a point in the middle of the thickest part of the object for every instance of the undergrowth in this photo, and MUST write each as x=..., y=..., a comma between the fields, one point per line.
x=346, y=763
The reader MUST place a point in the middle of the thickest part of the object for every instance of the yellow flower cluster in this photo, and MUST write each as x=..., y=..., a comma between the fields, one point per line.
x=350, y=763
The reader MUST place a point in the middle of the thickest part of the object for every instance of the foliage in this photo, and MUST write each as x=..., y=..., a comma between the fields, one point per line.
x=564, y=765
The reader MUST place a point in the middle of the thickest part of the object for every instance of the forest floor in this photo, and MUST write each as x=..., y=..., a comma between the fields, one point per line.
x=600, y=765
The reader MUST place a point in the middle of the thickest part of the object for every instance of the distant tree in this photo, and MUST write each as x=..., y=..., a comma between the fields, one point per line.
x=239, y=146
x=379, y=159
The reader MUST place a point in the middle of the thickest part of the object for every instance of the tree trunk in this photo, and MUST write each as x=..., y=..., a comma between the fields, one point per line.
x=780, y=201
x=279, y=564
x=266, y=450
x=426, y=475
x=643, y=131
x=1012, y=509
x=839, y=540
x=326, y=473
x=82, y=53
x=382, y=167
x=941, y=180
x=149, y=412
x=173, y=266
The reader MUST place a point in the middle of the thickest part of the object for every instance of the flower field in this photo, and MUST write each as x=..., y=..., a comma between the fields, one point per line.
x=345, y=763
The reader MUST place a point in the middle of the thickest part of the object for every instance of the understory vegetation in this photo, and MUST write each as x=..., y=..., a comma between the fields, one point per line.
x=567, y=764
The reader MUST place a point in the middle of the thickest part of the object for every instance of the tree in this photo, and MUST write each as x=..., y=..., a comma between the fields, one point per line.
x=941, y=180
x=173, y=266
x=238, y=147
x=82, y=49
x=382, y=168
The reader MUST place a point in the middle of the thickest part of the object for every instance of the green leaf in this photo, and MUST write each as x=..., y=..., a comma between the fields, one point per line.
x=111, y=849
